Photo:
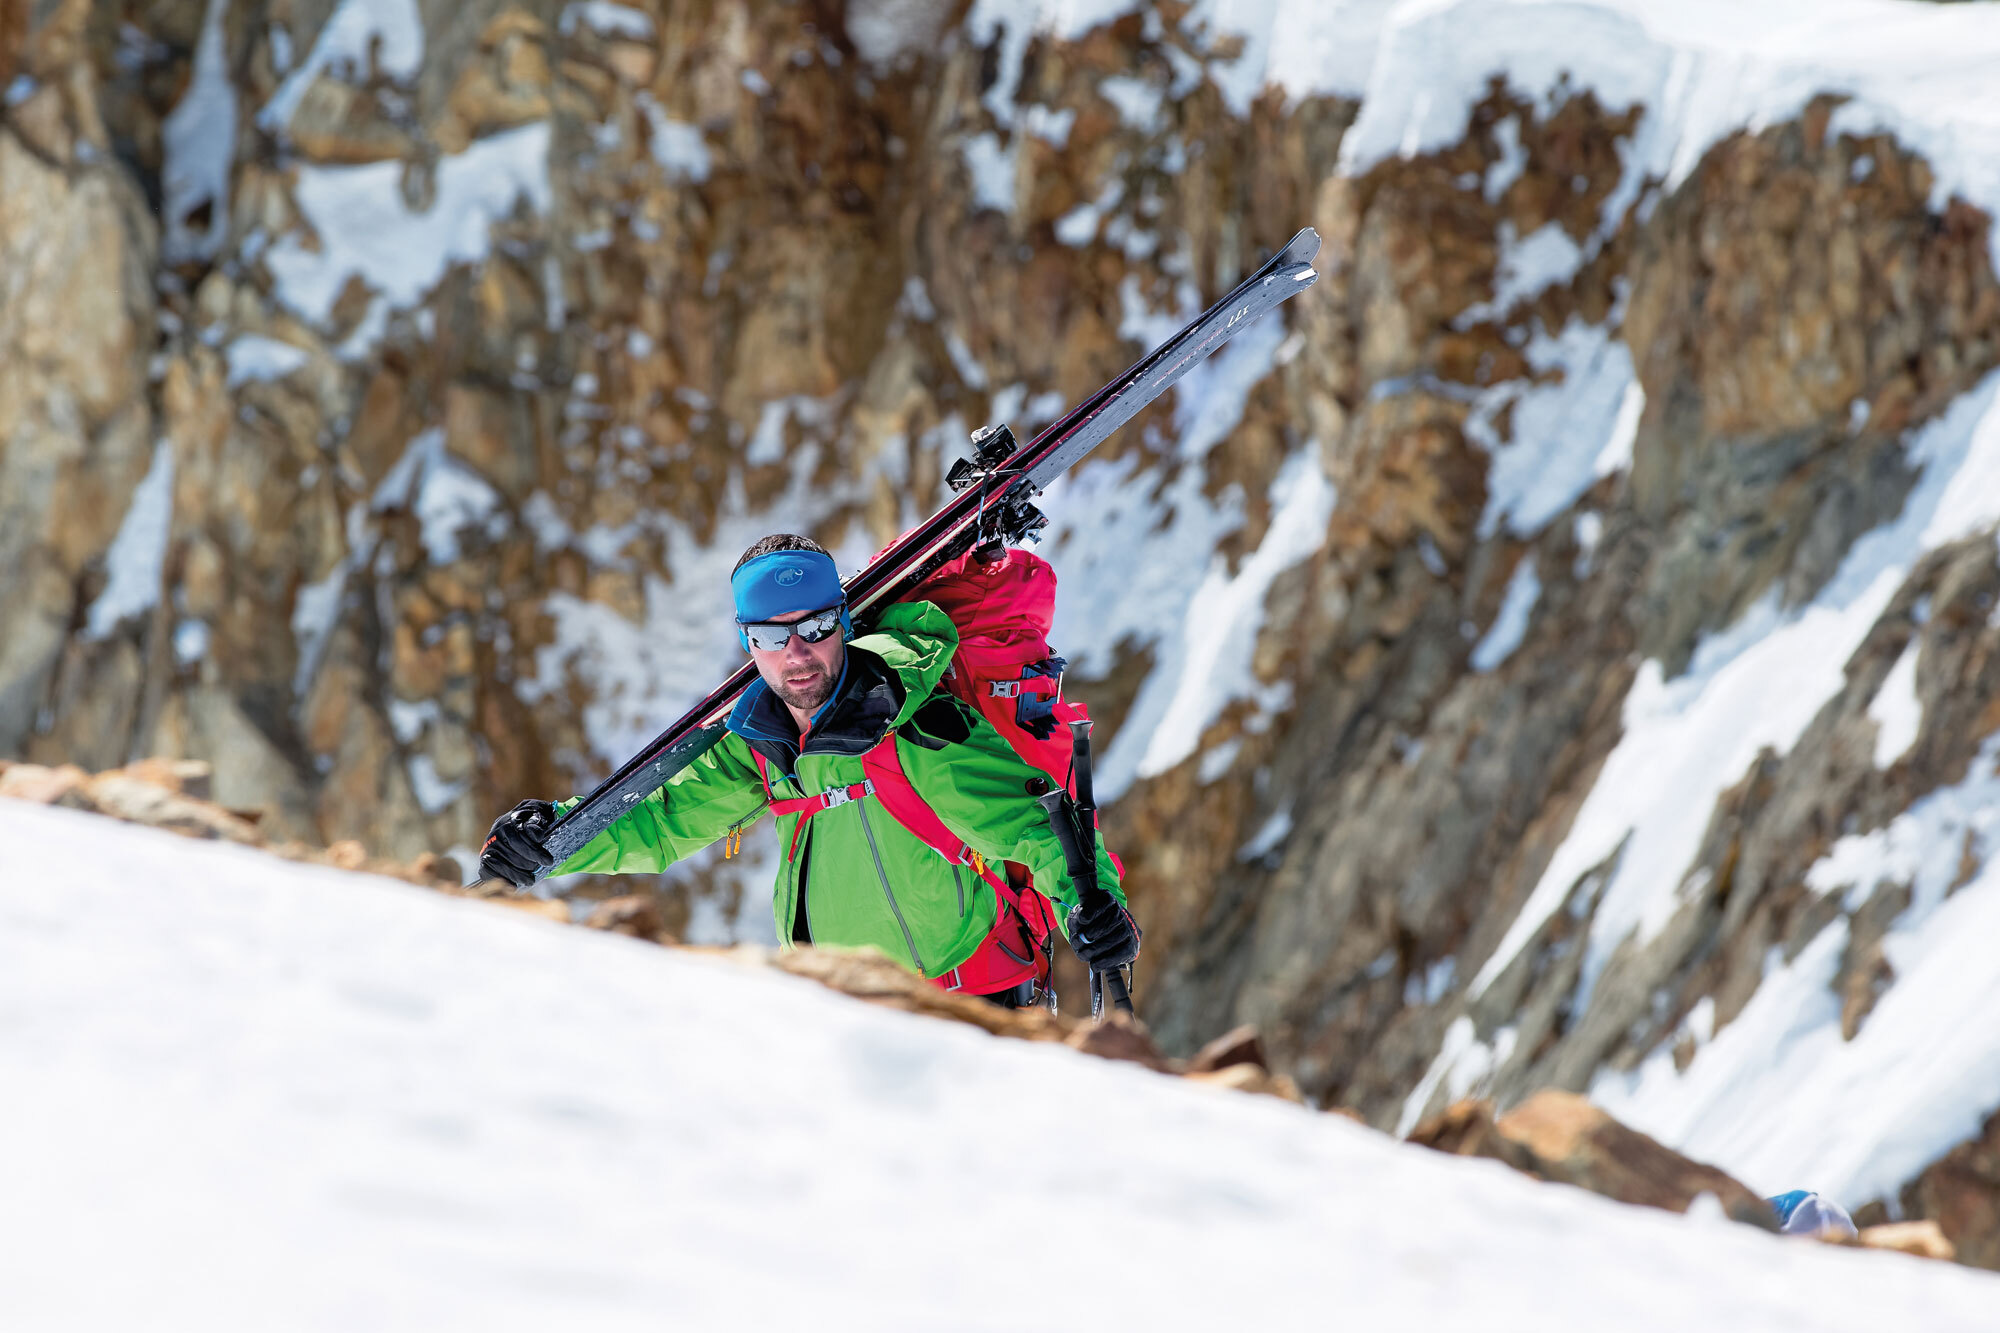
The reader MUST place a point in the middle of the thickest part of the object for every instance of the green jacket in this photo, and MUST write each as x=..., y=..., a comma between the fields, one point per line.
x=858, y=877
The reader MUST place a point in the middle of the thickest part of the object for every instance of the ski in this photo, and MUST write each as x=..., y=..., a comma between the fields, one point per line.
x=993, y=504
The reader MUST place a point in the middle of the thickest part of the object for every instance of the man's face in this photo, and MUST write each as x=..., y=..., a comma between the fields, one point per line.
x=802, y=674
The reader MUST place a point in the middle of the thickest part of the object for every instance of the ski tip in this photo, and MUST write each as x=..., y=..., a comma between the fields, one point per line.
x=1301, y=248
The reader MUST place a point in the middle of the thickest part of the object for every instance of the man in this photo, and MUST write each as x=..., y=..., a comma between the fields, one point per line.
x=852, y=873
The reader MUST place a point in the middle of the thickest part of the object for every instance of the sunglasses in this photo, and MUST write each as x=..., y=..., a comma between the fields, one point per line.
x=771, y=637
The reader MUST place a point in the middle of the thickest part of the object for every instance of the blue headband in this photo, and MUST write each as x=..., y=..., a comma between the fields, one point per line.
x=785, y=581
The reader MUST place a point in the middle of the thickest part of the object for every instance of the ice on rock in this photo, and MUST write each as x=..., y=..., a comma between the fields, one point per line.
x=133, y=564
x=1510, y=626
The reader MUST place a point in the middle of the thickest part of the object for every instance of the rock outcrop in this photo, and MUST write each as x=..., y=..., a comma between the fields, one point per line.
x=1560, y=1137
x=175, y=795
x=1960, y=1196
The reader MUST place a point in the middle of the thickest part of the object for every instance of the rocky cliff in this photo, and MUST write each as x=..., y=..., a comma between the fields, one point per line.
x=1506, y=657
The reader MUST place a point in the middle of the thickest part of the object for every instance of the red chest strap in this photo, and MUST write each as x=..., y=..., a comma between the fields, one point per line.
x=805, y=807
x=887, y=783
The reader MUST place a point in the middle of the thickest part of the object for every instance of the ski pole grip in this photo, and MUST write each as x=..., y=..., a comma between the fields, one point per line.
x=1055, y=804
x=1079, y=758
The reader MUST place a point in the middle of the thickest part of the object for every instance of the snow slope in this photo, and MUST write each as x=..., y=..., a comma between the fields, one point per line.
x=242, y=1093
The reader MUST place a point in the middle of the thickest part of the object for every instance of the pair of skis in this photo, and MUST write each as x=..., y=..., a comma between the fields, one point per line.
x=994, y=504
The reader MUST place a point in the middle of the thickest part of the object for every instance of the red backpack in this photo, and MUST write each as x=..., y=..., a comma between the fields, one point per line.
x=1003, y=669
x=1003, y=666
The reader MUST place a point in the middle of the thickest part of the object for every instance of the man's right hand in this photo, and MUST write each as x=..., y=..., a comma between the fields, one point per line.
x=514, y=850
x=1103, y=934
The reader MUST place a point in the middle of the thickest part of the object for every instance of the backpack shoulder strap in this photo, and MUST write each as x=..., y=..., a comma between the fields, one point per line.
x=901, y=799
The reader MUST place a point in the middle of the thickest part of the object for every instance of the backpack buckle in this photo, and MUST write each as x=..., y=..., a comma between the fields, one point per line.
x=1006, y=689
x=842, y=795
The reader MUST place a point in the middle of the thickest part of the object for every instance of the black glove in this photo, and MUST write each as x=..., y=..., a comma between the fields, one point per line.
x=514, y=850
x=1103, y=933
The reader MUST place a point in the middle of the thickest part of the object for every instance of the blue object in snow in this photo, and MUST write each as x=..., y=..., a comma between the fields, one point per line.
x=1804, y=1213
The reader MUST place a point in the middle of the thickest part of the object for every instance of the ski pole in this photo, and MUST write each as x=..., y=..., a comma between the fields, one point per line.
x=1076, y=833
x=1083, y=812
x=1083, y=873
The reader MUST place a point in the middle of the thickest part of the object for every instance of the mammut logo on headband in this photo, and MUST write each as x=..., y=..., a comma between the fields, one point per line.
x=788, y=576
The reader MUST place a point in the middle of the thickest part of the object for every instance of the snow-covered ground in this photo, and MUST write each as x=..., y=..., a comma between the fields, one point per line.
x=242, y=1093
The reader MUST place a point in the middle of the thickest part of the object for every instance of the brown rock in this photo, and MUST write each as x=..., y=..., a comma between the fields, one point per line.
x=188, y=777
x=1559, y=1136
x=549, y=909
x=43, y=786
x=336, y=122
x=1466, y=1129
x=1245, y=1077
x=632, y=62
x=138, y=800
x=1238, y=1046
x=347, y=854
x=635, y=914
x=13, y=36
x=867, y=974
x=442, y=871
x=1924, y=1239
x=1118, y=1037
x=1960, y=1192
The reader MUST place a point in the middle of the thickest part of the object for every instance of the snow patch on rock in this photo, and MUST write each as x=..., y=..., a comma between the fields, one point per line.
x=198, y=140
x=1461, y=1067
x=607, y=20
x=1211, y=663
x=991, y=167
x=1510, y=626
x=1572, y=424
x=1754, y=685
x=1701, y=69
x=1779, y=1099
x=1012, y=24
x=882, y=31
x=1896, y=711
x=366, y=229
x=252, y=356
x=135, y=560
x=392, y=30
x=676, y=145
x=1528, y=265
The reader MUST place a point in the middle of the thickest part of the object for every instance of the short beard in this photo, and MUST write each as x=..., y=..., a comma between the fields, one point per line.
x=808, y=699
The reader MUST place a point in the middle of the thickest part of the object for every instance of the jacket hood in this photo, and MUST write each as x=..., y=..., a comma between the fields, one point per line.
x=915, y=641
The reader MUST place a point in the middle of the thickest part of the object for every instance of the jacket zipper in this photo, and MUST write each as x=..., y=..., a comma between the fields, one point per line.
x=958, y=883
x=887, y=892
x=801, y=897
x=795, y=871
